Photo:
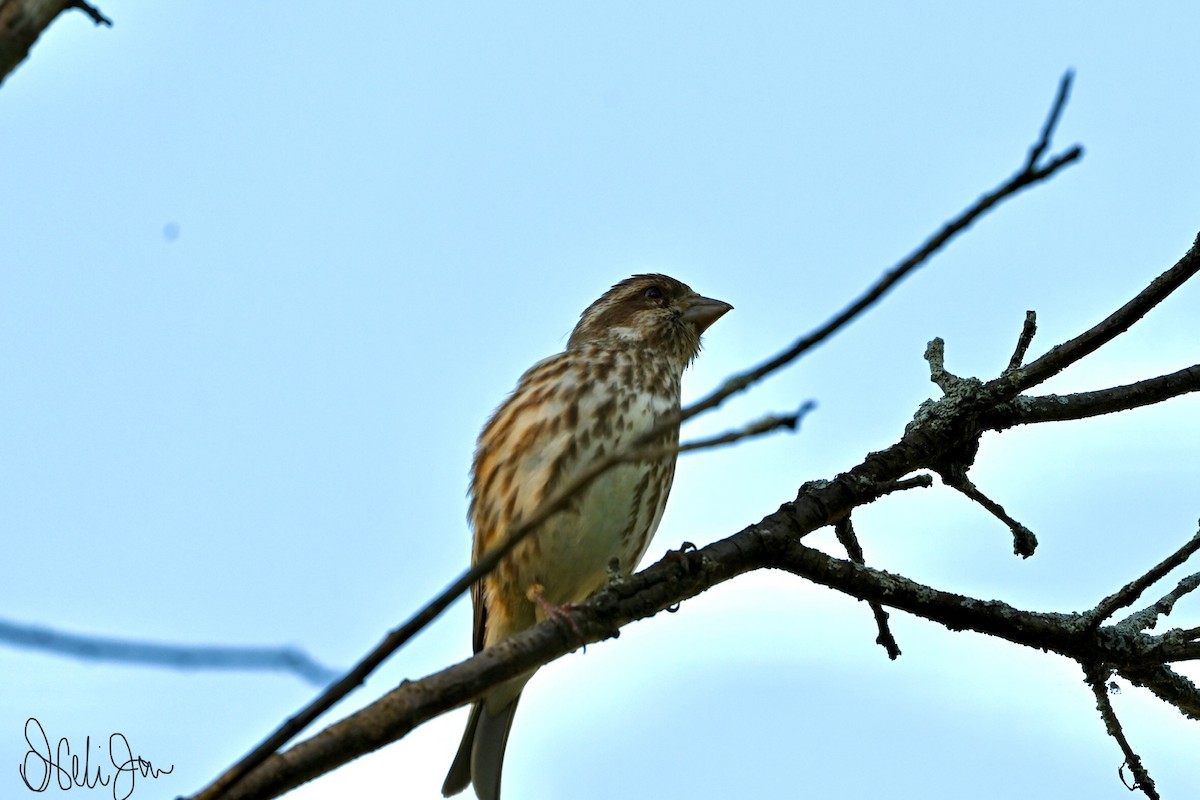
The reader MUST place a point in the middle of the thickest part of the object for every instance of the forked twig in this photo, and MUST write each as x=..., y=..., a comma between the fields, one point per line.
x=1064, y=355
x=1129, y=594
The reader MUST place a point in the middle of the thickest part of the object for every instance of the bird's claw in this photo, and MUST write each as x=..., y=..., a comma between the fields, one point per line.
x=559, y=613
x=680, y=556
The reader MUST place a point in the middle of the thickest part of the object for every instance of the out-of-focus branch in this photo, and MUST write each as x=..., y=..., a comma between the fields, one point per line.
x=128, y=651
x=22, y=22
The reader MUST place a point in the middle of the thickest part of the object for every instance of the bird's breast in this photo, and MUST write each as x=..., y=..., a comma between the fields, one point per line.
x=616, y=516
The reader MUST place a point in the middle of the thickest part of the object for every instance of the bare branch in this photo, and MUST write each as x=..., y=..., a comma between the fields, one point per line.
x=1129, y=594
x=485, y=564
x=128, y=651
x=23, y=21
x=915, y=482
x=1026, y=410
x=1168, y=685
x=91, y=11
x=772, y=543
x=1029, y=175
x=1147, y=618
x=844, y=529
x=935, y=354
x=752, y=430
x=1066, y=354
x=1024, y=540
x=1097, y=679
x=1060, y=103
x=1028, y=331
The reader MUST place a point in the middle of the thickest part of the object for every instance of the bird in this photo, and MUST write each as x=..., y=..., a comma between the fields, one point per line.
x=617, y=378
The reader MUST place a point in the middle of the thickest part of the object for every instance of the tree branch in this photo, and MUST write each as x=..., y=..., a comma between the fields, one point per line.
x=1026, y=410
x=772, y=543
x=1097, y=678
x=22, y=22
x=1130, y=593
x=1168, y=686
x=1029, y=175
x=844, y=530
x=485, y=564
x=128, y=651
x=1067, y=353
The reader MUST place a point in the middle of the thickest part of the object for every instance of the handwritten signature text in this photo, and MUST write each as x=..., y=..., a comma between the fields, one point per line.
x=41, y=766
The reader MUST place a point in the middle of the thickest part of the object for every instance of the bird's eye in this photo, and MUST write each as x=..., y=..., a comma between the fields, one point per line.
x=653, y=293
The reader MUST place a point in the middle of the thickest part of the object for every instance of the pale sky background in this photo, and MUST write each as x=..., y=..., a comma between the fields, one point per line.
x=267, y=267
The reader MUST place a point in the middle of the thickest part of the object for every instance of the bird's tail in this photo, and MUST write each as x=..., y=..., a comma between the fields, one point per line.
x=481, y=753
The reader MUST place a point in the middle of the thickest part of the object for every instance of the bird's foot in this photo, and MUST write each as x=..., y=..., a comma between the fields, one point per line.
x=559, y=613
x=680, y=556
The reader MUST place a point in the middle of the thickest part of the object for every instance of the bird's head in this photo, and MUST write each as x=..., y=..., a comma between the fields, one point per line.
x=654, y=311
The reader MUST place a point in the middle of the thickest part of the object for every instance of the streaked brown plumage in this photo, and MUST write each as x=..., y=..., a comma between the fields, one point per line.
x=618, y=376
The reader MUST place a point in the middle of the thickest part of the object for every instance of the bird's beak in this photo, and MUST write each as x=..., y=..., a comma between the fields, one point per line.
x=703, y=311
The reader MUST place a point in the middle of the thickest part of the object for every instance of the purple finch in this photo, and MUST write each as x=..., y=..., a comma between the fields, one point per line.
x=618, y=377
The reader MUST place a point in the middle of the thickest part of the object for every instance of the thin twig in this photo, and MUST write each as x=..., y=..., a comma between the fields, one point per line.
x=1060, y=103
x=1064, y=355
x=1025, y=410
x=844, y=529
x=1024, y=540
x=1097, y=678
x=1129, y=594
x=752, y=430
x=129, y=651
x=91, y=11
x=1147, y=618
x=1028, y=330
x=1028, y=176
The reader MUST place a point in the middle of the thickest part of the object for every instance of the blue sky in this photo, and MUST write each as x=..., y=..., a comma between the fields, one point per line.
x=265, y=275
